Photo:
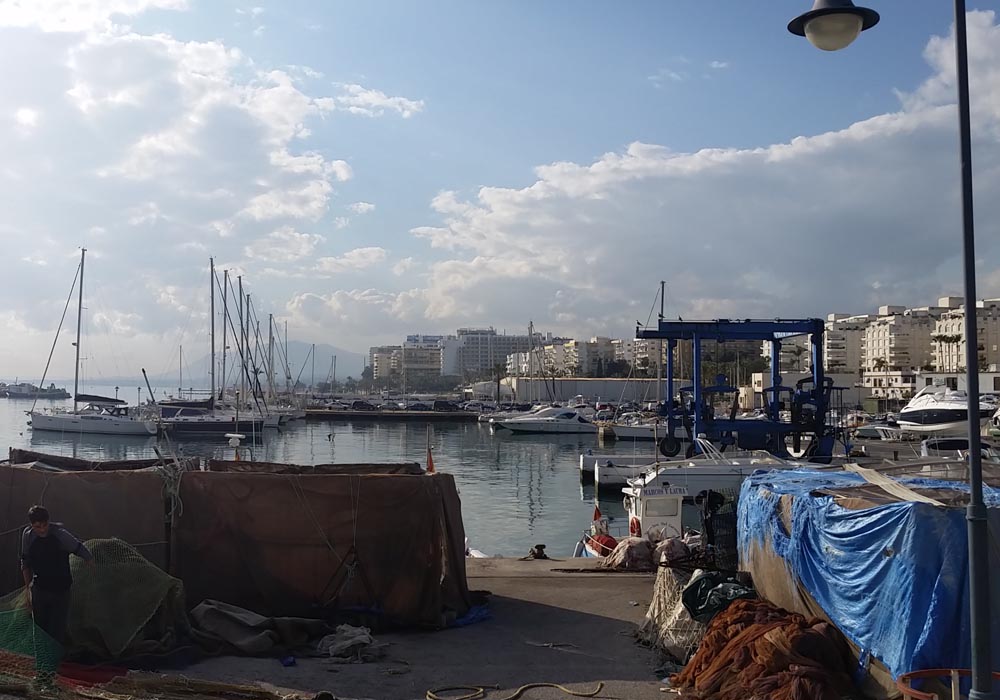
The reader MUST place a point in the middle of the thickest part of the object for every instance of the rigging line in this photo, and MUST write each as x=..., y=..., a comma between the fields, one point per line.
x=58, y=331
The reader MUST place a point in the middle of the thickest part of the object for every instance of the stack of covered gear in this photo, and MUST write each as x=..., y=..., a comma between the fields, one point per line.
x=230, y=628
x=756, y=650
x=631, y=554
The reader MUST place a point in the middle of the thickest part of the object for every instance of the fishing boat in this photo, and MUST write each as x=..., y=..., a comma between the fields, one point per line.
x=651, y=510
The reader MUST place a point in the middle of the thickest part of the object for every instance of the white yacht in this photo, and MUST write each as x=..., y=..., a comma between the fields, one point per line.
x=941, y=411
x=101, y=416
x=549, y=420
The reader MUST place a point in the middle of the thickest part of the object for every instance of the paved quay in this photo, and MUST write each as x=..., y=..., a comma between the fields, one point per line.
x=547, y=626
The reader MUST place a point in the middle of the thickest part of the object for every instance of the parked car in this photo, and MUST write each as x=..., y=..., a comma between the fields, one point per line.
x=418, y=406
x=441, y=405
x=359, y=405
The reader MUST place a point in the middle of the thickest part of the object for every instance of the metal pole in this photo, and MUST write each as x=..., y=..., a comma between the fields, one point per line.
x=225, y=327
x=211, y=289
x=979, y=587
x=241, y=344
x=79, y=319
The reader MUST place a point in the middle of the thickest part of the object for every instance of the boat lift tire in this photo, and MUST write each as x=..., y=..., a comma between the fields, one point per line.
x=669, y=446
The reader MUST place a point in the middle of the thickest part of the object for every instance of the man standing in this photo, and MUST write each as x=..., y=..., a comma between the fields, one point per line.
x=45, y=550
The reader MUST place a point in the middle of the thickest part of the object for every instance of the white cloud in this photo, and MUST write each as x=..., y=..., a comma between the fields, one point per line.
x=357, y=99
x=404, y=265
x=259, y=30
x=341, y=222
x=666, y=75
x=351, y=261
x=719, y=65
x=284, y=245
x=361, y=207
x=76, y=16
x=26, y=117
x=307, y=202
x=585, y=241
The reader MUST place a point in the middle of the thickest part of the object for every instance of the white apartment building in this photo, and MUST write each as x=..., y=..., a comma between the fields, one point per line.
x=420, y=356
x=899, y=339
x=524, y=364
x=843, y=343
x=384, y=360
x=948, y=339
x=476, y=352
x=623, y=349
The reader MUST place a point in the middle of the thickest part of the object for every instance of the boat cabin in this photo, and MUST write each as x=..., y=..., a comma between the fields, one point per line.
x=654, y=509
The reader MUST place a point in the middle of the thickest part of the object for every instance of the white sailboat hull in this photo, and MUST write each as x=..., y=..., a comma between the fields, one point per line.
x=93, y=425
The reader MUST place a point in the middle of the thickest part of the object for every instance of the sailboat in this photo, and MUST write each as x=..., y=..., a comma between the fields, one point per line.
x=101, y=415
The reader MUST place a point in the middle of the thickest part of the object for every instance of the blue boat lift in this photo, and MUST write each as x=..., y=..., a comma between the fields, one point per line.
x=810, y=401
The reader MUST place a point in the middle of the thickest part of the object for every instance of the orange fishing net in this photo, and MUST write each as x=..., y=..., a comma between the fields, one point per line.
x=754, y=649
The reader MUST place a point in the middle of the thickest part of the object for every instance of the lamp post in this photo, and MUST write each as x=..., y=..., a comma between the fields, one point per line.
x=832, y=25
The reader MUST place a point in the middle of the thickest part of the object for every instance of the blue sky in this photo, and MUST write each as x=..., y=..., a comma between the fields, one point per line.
x=381, y=168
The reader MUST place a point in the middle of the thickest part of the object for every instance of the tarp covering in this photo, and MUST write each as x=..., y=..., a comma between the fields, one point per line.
x=891, y=574
x=18, y=456
x=218, y=465
x=312, y=545
x=232, y=628
x=92, y=504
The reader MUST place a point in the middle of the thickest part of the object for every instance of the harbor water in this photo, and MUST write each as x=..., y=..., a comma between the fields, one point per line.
x=516, y=490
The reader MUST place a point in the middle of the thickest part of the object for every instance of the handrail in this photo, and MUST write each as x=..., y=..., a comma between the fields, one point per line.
x=903, y=682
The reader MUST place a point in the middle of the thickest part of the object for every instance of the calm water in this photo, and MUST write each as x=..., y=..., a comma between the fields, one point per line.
x=517, y=490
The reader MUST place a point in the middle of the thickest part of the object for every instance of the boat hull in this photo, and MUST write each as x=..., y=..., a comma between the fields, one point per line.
x=562, y=427
x=93, y=425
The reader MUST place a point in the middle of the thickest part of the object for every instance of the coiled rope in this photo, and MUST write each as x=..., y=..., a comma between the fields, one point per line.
x=479, y=692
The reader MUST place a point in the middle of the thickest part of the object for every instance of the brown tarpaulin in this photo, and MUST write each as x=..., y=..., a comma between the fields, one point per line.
x=18, y=456
x=92, y=504
x=281, y=544
x=218, y=465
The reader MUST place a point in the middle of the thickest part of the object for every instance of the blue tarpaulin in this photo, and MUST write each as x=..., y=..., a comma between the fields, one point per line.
x=893, y=577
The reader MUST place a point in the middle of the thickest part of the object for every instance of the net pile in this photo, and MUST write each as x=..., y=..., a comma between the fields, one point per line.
x=756, y=650
x=668, y=625
x=121, y=607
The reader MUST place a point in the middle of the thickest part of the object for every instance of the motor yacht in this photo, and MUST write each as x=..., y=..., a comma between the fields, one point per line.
x=939, y=410
x=550, y=420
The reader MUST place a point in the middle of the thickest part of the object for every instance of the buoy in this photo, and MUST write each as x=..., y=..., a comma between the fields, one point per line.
x=635, y=527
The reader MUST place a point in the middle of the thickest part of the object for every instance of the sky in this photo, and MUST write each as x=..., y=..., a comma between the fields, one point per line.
x=383, y=168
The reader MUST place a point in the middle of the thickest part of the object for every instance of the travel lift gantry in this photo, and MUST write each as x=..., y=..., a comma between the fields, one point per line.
x=810, y=401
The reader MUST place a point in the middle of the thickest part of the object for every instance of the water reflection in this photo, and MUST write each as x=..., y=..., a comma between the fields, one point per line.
x=516, y=490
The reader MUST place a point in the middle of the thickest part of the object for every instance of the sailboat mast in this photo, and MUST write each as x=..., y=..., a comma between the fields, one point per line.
x=659, y=356
x=211, y=289
x=225, y=326
x=270, y=355
x=79, y=321
x=180, y=372
x=243, y=369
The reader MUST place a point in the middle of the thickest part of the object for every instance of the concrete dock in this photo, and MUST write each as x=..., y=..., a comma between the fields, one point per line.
x=571, y=628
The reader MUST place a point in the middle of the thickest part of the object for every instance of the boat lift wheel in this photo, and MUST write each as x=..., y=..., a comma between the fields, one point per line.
x=669, y=446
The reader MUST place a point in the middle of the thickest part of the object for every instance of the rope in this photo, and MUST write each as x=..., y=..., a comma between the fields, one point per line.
x=300, y=494
x=56, y=339
x=479, y=692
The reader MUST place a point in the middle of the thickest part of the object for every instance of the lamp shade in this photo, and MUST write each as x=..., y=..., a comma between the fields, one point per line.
x=832, y=25
x=833, y=32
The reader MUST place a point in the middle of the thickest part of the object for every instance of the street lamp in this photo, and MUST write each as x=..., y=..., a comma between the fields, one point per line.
x=833, y=25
